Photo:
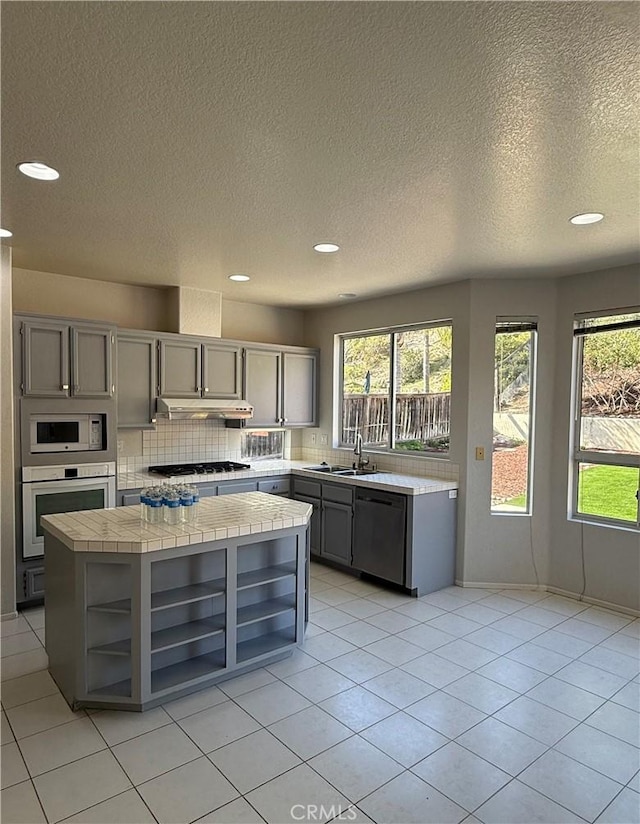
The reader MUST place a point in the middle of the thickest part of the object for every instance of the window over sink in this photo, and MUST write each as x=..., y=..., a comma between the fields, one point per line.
x=395, y=388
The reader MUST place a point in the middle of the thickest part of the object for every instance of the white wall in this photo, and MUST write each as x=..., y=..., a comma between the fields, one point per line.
x=132, y=307
x=611, y=556
x=437, y=303
x=7, y=479
x=498, y=548
x=263, y=324
x=501, y=548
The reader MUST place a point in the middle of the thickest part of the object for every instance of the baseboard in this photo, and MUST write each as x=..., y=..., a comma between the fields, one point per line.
x=575, y=596
x=496, y=585
x=597, y=602
x=9, y=616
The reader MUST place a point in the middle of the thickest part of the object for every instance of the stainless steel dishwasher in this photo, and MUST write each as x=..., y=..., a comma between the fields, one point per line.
x=379, y=530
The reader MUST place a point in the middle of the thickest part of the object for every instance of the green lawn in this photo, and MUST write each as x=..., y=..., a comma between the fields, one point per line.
x=607, y=491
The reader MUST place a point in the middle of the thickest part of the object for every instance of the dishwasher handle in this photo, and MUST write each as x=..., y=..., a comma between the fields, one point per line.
x=379, y=500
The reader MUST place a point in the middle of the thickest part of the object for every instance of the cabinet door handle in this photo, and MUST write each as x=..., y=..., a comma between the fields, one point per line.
x=285, y=420
x=206, y=389
x=65, y=386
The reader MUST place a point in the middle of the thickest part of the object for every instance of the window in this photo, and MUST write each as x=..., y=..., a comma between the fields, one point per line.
x=513, y=415
x=606, y=465
x=396, y=388
x=262, y=444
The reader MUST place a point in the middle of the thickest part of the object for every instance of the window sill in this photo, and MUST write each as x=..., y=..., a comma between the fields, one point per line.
x=633, y=529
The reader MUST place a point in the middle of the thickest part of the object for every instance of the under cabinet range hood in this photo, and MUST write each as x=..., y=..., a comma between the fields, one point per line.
x=184, y=409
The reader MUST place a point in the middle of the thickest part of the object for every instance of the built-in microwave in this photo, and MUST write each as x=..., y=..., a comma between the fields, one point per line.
x=63, y=432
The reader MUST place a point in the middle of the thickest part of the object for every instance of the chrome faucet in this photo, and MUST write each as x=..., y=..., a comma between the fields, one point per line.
x=358, y=451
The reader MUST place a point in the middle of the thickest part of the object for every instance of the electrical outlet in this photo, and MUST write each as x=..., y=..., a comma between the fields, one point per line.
x=479, y=453
x=120, y=446
x=313, y=437
x=324, y=440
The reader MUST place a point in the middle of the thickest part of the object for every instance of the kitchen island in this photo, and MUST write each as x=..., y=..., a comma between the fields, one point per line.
x=136, y=614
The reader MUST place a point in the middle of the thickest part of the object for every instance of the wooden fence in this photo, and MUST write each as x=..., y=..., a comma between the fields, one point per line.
x=418, y=416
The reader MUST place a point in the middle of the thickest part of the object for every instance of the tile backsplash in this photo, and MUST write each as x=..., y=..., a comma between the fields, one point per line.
x=190, y=441
x=420, y=466
x=186, y=442
x=178, y=442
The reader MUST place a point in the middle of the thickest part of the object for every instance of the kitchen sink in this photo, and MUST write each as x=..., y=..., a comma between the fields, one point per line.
x=326, y=468
x=357, y=472
x=341, y=470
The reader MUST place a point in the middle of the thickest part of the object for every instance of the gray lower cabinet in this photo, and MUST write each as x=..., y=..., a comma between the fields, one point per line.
x=137, y=359
x=331, y=526
x=408, y=540
x=131, y=631
x=337, y=527
x=62, y=360
x=274, y=486
x=235, y=487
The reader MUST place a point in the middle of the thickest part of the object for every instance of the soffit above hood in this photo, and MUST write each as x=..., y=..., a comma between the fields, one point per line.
x=179, y=409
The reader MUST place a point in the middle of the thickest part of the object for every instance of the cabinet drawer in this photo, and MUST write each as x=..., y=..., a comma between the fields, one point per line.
x=235, y=487
x=311, y=488
x=339, y=494
x=277, y=486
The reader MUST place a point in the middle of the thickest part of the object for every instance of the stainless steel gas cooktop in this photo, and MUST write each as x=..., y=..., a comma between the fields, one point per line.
x=205, y=468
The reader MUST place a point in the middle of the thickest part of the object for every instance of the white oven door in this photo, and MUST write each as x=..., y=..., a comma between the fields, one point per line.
x=53, y=497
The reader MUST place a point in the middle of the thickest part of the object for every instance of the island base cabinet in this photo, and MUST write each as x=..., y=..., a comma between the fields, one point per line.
x=130, y=631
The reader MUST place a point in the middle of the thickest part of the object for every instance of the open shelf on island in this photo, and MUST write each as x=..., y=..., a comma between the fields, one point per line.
x=122, y=647
x=252, y=613
x=262, y=644
x=122, y=607
x=184, y=671
x=121, y=689
x=266, y=575
x=187, y=594
x=184, y=633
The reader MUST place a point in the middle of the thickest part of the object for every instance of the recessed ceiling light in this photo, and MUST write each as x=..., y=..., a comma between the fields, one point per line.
x=587, y=217
x=37, y=170
x=347, y=295
x=239, y=278
x=5, y=233
x=326, y=247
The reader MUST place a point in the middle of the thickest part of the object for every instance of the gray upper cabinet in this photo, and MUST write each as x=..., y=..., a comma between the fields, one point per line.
x=92, y=361
x=193, y=369
x=45, y=359
x=222, y=371
x=281, y=386
x=180, y=369
x=63, y=360
x=137, y=380
x=262, y=386
x=299, y=380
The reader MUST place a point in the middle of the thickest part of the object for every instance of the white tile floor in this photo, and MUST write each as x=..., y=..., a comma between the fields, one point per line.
x=465, y=705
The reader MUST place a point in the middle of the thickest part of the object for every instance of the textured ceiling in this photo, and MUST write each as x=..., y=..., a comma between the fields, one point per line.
x=432, y=141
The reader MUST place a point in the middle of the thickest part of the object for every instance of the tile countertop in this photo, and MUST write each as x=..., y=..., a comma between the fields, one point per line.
x=388, y=481
x=228, y=516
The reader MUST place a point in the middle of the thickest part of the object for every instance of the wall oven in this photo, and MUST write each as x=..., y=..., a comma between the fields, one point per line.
x=49, y=490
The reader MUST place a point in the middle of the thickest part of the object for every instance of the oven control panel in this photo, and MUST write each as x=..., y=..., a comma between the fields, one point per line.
x=66, y=471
